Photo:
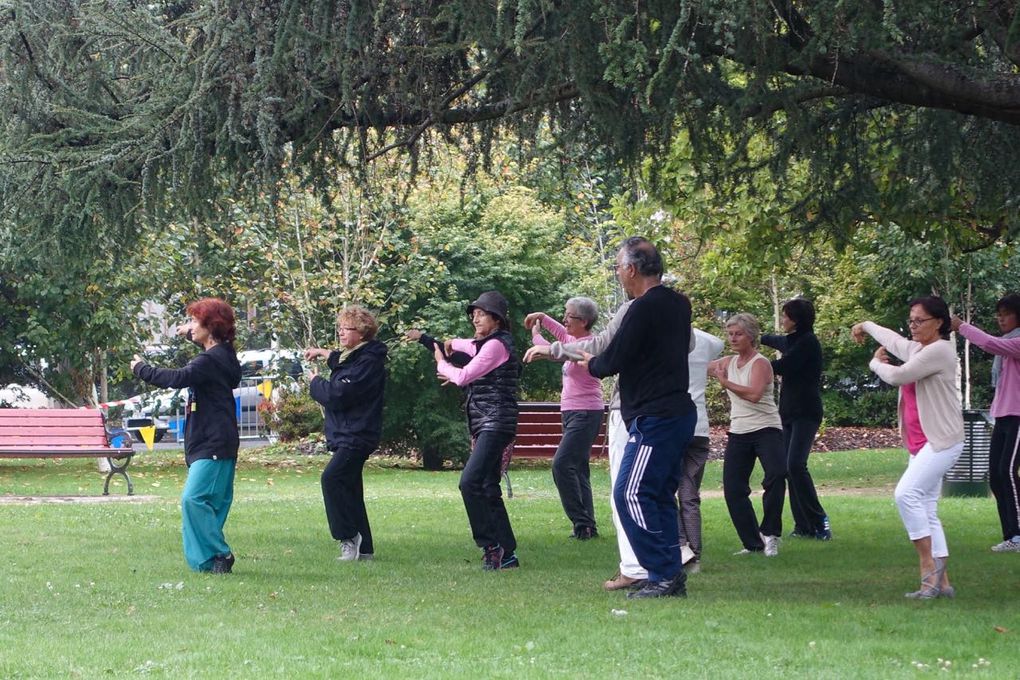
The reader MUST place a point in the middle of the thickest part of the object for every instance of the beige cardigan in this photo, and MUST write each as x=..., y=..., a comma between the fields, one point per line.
x=933, y=369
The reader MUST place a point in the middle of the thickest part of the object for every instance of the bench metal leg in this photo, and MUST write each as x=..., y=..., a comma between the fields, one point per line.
x=117, y=469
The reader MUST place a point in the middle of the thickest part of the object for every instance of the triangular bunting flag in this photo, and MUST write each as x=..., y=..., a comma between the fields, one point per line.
x=148, y=435
x=265, y=388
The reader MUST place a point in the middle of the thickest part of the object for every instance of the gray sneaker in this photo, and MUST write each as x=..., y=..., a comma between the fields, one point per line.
x=1007, y=546
x=349, y=548
x=771, y=545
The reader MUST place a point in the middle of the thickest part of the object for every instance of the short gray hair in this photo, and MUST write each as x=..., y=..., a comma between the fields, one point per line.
x=748, y=323
x=641, y=253
x=586, y=309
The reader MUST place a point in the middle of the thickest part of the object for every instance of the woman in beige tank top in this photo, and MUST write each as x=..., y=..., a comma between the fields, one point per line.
x=756, y=433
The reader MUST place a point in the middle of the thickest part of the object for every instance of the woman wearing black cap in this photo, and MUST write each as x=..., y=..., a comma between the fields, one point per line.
x=490, y=379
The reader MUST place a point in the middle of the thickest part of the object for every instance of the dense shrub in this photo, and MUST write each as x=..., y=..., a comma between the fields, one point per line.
x=296, y=415
x=865, y=408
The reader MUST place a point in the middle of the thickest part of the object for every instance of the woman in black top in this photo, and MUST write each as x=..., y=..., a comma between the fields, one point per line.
x=210, y=434
x=800, y=408
x=352, y=399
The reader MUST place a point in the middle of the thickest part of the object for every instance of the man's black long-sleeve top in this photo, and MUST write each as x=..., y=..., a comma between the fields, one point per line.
x=649, y=352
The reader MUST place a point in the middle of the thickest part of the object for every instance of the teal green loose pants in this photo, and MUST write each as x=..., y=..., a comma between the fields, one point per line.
x=205, y=503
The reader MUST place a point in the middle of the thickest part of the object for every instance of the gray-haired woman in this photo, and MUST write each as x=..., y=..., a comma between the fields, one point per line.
x=756, y=432
x=581, y=412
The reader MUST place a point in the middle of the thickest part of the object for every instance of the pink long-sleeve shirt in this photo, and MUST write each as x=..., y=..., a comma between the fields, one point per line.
x=1007, y=392
x=581, y=390
x=491, y=356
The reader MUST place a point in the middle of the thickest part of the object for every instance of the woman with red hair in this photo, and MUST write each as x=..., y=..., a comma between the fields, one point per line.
x=210, y=435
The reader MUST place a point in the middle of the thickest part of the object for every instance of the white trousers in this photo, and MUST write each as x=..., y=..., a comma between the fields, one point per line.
x=617, y=432
x=917, y=495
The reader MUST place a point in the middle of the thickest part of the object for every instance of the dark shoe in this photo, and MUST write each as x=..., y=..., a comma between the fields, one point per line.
x=492, y=558
x=801, y=533
x=621, y=582
x=677, y=587
x=510, y=561
x=585, y=533
x=825, y=533
x=222, y=564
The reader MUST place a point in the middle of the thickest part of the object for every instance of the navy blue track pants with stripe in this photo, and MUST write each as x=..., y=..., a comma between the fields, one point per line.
x=645, y=490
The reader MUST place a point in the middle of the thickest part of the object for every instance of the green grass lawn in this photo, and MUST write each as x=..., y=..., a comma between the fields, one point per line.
x=101, y=590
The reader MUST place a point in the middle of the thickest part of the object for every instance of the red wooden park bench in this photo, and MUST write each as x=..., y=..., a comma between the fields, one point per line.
x=66, y=433
x=539, y=430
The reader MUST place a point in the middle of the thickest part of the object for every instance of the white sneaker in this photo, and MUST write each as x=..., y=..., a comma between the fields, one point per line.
x=745, y=551
x=771, y=545
x=1007, y=546
x=686, y=554
x=349, y=548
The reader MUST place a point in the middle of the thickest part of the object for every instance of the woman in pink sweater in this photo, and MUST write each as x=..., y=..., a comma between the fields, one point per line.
x=931, y=423
x=1004, y=452
x=581, y=410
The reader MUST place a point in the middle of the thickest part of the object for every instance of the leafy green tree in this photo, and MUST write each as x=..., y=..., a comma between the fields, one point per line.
x=904, y=111
x=503, y=240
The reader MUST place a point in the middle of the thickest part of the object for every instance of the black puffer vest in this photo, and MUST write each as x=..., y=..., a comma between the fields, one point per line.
x=492, y=399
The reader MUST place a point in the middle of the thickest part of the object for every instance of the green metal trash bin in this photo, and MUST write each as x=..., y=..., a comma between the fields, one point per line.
x=969, y=477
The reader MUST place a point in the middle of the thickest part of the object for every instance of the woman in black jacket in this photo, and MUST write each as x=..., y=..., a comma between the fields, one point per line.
x=210, y=433
x=491, y=379
x=800, y=408
x=352, y=399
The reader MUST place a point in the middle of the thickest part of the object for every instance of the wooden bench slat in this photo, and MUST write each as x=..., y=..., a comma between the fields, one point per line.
x=93, y=440
x=38, y=421
x=47, y=431
x=49, y=452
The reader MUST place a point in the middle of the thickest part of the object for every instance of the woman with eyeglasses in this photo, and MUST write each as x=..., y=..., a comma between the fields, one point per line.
x=581, y=411
x=931, y=424
x=352, y=401
x=1004, y=452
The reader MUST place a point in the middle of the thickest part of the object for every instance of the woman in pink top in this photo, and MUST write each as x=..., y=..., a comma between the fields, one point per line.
x=929, y=399
x=491, y=382
x=1004, y=453
x=581, y=410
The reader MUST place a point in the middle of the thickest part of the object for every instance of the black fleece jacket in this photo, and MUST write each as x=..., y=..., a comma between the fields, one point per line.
x=210, y=431
x=353, y=397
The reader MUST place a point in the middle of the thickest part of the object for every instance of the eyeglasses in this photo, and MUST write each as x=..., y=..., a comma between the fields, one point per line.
x=571, y=317
x=349, y=330
x=914, y=323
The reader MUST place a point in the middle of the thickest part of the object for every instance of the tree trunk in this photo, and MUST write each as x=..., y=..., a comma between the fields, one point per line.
x=431, y=458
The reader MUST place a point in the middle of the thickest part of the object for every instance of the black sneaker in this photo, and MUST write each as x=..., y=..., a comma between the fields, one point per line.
x=801, y=533
x=223, y=564
x=677, y=587
x=510, y=561
x=583, y=533
x=492, y=558
x=825, y=533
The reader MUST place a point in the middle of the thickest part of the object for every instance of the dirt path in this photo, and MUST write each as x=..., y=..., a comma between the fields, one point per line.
x=67, y=500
